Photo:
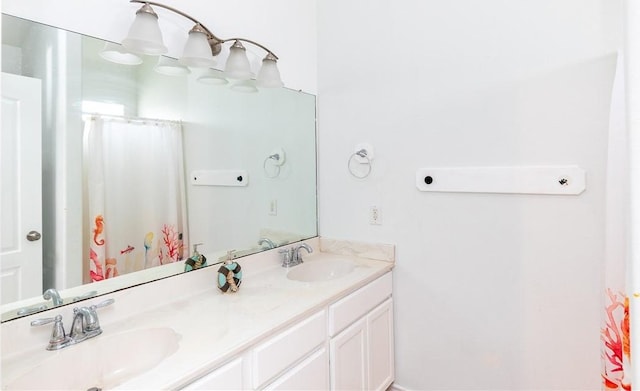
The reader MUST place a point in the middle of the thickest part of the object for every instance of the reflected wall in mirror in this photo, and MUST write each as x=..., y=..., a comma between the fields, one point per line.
x=244, y=164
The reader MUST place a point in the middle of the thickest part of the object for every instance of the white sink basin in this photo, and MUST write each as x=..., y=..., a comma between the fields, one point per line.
x=103, y=361
x=321, y=269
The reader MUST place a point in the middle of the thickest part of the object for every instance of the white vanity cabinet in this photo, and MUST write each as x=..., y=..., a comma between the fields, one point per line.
x=346, y=345
x=361, y=344
x=293, y=359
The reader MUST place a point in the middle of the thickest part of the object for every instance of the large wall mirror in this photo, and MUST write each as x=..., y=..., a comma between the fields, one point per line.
x=112, y=172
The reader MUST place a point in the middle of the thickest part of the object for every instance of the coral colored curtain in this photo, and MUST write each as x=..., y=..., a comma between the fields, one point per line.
x=135, y=192
x=616, y=355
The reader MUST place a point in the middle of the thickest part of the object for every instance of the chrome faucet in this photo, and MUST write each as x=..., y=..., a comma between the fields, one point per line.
x=85, y=325
x=85, y=322
x=297, y=257
x=268, y=241
x=53, y=295
x=292, y=257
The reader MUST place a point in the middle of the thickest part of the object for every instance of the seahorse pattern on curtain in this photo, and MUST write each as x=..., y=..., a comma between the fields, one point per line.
x=615, y=348
x=134, y=182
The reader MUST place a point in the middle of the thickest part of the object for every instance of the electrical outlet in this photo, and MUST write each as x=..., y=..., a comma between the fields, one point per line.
x=374, y=215
x=273, y=208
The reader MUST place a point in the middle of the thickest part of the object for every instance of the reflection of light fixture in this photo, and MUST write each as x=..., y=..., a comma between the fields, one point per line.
x=170, y=67
x=118, y=54
x=244, y=86
x=213, y=77
x=202, y=45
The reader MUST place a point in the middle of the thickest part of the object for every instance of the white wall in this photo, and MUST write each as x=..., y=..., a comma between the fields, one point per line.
x=492, y=291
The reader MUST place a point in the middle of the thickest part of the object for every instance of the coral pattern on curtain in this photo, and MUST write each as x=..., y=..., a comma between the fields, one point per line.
x=135, y=192
x=615, y=348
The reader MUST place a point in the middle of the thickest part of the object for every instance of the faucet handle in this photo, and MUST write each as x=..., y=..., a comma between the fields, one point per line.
x=58, y=339
x=92, y=323
x=43, y=321
x=103, y=304
x=287, y=256
x=84, y=296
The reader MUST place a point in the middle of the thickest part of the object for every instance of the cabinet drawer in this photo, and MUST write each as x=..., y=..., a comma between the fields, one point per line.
x=288, y=347
x=311, y=374
x=349, y=309
x=227, y=377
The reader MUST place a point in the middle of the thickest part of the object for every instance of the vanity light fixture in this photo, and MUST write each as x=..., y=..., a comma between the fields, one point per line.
x=200, y=49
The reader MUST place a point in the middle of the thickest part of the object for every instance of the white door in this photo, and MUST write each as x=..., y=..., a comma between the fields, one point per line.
x=348, y=358
x=21, y=188
x=380, y=339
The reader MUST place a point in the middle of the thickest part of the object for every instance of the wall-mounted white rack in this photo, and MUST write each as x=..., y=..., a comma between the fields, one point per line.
x=563, y=180
x=220, y=178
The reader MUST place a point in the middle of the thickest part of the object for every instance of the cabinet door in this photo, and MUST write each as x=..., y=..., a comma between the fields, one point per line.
x=358, y=304
x=348, y=358
x=380, y=341
x=227, y=377
x=311, y=374
x=274, y=356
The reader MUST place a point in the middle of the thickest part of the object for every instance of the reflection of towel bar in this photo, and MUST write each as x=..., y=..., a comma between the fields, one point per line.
x=219, y=178
x=567, y=180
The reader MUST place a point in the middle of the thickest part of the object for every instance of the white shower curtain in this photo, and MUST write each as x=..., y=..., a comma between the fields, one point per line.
x=135, y=192
x=615, y=328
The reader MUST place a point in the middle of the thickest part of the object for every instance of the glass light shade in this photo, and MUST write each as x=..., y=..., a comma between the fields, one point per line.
x=269, y=75
x=118, y=54
x=197, y=52
x=144, y=35
x=237, y=66
x=246, y=86
x=212, y=77
x=170, y=67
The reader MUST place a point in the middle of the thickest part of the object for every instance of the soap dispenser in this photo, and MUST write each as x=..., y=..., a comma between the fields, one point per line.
x=229, y=274
x=196, y=260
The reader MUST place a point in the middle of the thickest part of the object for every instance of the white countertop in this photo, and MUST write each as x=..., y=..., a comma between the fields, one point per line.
x=213, y=326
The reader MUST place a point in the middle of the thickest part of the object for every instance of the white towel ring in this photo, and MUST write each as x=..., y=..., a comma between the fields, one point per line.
x=362, y=157
x=277, y=158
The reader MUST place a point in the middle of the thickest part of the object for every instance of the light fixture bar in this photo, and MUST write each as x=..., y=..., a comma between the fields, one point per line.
x=214, y=41
x=251, y=42
x=177, y=12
